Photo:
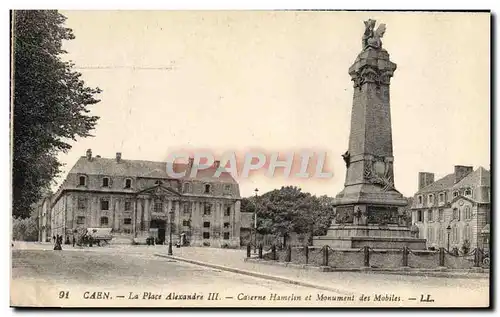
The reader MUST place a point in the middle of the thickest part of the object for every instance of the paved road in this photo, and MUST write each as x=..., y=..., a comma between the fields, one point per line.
x=37, y=273
x=36, y=267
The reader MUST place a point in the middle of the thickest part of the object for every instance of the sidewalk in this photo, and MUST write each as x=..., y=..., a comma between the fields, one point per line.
x=348, y=282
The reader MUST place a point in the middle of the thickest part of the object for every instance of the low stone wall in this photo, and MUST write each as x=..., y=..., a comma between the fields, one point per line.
x=377, y=258
x=386, y=259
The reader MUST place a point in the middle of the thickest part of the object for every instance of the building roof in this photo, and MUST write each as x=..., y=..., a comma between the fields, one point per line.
x=442, y=184
x=138, y=168
x=479, y=177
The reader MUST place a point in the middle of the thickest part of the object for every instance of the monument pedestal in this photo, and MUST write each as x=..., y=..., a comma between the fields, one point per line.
x=369, y=211
x=376, y=237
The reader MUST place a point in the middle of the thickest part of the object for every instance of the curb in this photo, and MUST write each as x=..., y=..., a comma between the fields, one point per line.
x=439, y=272
x=258, y=275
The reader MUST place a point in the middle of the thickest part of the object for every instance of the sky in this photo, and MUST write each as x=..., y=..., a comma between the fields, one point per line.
x=278, y=81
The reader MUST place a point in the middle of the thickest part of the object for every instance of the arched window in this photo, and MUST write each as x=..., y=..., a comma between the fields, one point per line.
x=455, y=234
x=187, y=187
x=467, y=232
x=207, y=188
x=467, y=213
x=128, y=183
x=82, y=180
x=430, y=199
x=104, y=221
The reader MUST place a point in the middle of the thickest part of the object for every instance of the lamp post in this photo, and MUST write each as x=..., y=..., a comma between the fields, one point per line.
x=171, y=213
x=448, y=230
x=255, y=220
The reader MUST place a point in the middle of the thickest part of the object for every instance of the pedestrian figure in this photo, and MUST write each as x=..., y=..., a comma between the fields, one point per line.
x=74, y=241
x=57, y=246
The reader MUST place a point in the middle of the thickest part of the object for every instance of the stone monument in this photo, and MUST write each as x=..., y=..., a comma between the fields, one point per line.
x=369, y=211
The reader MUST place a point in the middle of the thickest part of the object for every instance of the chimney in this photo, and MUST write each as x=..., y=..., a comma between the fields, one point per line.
x=461, y=171
x=89, y=154
x=425, y=179
x=190, y=164
x=118, y=157
x=216, y=164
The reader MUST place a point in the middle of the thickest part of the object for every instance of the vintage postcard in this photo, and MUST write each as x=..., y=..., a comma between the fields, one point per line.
x=250, y=159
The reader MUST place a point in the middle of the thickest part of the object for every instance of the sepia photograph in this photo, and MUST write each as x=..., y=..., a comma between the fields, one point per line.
x=250, y=158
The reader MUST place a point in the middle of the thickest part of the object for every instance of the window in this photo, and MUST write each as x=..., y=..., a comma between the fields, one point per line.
x=429, y=215
x=429, y=235
x=430, y=199
x=104, y=221
x=158, y=207
x=207, y=209
x=128, y=183
x=455, y=213
x=439, y=234
x=441, y=215
x=185, y=208
x=207, y=188
x=226, y=235
x=420, y=216
x=127, y=221
x=227, y=225
x=454, y=234
x=187, y=187
x=227, y=212
x=420, y=200
x=206, y=224
x=185, y=223
x=104, y=204
x=127, y=231
x=467, y=232
x=468, y=192
x=227, y=188
x=206, y=235
x=82, y=203
x=467, y=213
x=80, y=220
x=455, y=194
x=105, y=182
x=82, y=180
x=128, y=206
x=441, y=197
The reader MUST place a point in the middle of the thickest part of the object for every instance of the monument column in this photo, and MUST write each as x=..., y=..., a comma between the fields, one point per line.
x=366, y=211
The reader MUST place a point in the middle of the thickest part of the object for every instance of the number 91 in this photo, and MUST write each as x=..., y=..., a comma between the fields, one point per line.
x=63, y=294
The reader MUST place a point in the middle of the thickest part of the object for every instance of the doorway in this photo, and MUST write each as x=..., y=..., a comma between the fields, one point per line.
x=160, y=225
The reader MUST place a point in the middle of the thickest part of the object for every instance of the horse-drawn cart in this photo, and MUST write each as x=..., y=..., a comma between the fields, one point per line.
x=96, y=236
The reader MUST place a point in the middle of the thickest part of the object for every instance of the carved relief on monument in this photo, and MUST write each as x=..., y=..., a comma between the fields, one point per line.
x=382, y=215
x=360, y=215
x=379, y=172
x=344, y=214
x=369, y=74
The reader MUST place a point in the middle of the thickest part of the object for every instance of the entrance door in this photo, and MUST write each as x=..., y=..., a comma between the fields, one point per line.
x=161, y=235
x=160, y=225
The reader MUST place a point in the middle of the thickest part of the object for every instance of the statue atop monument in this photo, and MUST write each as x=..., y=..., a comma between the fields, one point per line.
x=372, y=37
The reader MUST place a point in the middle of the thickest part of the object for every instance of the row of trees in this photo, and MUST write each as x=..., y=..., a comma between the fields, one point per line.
x=286, y=210
x=50, y=104
x=25, y=229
